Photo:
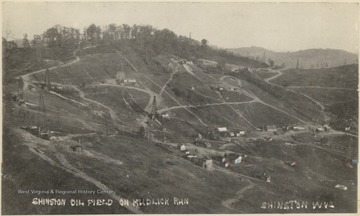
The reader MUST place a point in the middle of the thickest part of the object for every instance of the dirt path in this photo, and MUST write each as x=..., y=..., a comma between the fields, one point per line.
x=26, y=76
x=204, y=105
x=239, y=195
x=256, y=99
x=112, y=113
x=231, y=77
x=135, y=69
x=279, y=73
x=147, y=91
x=323, y=87
x=168, y=81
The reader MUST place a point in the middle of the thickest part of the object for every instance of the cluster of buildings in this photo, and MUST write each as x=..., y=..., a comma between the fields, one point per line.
x=223, y=131
x=223, y=88
x=120, y=78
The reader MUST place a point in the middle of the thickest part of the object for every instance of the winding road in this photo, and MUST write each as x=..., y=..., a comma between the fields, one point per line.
x=148, y=78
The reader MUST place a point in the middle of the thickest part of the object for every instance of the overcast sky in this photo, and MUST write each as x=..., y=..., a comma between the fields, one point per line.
x=275, y=26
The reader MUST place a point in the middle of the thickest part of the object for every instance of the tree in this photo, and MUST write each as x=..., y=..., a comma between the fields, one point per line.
x=53, y=37
x=4, y=44
x=271, y=62
x=126, y=31
x=25, y=43
x=204, y=43
x=93, y=33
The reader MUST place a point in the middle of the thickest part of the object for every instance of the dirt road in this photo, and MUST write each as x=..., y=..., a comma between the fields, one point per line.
x=239, y=195
x=323, y=87
x=148, y=78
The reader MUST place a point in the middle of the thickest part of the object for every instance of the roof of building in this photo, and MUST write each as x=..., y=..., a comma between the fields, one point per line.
x=222, y=129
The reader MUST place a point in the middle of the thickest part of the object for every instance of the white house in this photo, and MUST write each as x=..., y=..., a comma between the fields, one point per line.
x=222, y=129
x=299, y=128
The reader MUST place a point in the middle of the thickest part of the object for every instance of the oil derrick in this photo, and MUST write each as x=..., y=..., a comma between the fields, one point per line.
x=297, y=64
x=351, y=154
x=38, y=54
x=153, y=113
x=47, y=80
x=42, y=121
x=106, y=126
x=58, y=119
x=20, y=88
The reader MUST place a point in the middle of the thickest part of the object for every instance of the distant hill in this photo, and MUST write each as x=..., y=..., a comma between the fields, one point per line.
x=310, y=58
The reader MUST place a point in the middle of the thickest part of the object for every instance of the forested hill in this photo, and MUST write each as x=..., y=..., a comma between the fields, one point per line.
x=57, y=44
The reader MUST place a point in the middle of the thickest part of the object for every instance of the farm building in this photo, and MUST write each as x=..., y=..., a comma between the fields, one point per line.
x=165, y=115
x=240, y=133
x=297, y=128
x=129, y=80
x=77, y=148
x=218, y=88
x=222, y=129
x=236, y=133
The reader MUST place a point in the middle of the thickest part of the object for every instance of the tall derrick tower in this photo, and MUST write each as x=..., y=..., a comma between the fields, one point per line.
x=153, y=113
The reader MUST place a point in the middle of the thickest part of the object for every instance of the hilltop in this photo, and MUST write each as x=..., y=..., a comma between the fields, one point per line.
x=308, y=59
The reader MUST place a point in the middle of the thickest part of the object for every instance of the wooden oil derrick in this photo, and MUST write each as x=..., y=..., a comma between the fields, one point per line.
x=297, y=64
x=47, y=82
x=351, y=154
x=42, y=121
x=58, y=119
x=106, y=124
x=20, y=88
x=153, y=113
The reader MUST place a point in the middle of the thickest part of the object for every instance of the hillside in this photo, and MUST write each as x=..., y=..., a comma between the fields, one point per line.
x=310, y=58
x=159, y=116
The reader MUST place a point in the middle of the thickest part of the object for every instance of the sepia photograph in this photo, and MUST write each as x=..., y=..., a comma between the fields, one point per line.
x=179, y=108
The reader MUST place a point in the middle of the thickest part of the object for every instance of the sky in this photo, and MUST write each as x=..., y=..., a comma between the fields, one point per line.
x=275, y=26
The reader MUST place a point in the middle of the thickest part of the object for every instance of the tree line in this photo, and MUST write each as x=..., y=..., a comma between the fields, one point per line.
x=58, y=42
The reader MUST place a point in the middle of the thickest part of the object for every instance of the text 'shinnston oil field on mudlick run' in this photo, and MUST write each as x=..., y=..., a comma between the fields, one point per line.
x=179, y=108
